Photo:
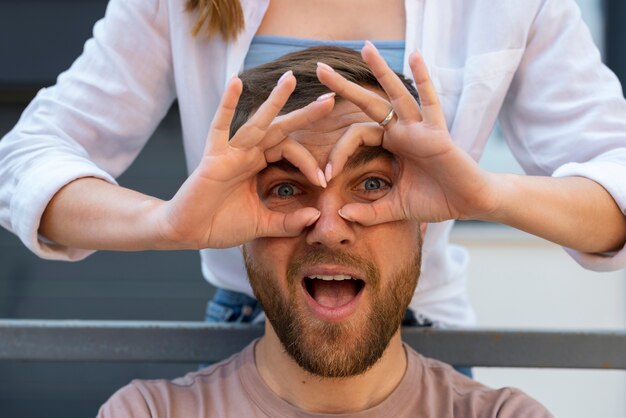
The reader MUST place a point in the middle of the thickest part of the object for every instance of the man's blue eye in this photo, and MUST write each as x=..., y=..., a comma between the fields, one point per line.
x=285, y=190
x=373, y=184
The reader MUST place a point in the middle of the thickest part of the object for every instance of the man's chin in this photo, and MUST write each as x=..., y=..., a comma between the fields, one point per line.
x=334, y=349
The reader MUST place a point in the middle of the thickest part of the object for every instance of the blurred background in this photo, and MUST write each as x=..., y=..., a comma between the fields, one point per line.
x=516, y=280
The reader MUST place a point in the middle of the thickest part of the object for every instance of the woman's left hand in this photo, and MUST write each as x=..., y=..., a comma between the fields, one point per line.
x=437, y=181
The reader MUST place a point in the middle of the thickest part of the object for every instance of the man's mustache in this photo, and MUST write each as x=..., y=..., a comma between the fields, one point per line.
x=315, y=256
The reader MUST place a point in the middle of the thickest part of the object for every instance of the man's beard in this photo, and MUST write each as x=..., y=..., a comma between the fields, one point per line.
x=327, y=349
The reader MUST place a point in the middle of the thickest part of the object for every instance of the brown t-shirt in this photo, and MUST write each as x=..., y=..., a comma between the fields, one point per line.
x=234, y=388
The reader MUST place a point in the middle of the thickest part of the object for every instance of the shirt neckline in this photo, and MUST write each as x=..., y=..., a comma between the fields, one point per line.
x=272, y=405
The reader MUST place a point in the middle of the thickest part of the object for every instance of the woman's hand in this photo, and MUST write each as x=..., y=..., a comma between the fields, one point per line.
x=218, y=206
x=437, y=181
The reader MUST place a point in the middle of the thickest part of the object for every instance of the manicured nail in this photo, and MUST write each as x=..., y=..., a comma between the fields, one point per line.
x=347, y=218
x=371, y=45
x=321, y=178
x=326, y=96
x=284, y=76
x=328, y=172
x=368, y=43
x=325, y=67
x=314, y=219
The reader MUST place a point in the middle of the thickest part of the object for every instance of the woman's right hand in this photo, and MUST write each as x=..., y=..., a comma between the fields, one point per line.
x=218, y=205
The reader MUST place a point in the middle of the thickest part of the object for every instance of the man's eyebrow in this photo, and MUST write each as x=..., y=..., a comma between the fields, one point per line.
x=361, y=157
x=283, y=165
x=366, y=154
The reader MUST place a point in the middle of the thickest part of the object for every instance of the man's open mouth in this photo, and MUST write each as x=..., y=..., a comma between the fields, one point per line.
x=333, y=291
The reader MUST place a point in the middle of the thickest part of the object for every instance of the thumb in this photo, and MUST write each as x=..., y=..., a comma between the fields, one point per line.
x=289, y=224
x=367, y=214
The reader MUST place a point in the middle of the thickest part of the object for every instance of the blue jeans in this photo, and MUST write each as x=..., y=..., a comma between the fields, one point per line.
x=231, y=306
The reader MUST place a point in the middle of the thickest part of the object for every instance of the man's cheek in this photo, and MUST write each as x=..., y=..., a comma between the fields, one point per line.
x=269, y=252
x=399, y=242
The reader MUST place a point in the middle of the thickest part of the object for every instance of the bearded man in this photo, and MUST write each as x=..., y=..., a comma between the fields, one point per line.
x=334, y=291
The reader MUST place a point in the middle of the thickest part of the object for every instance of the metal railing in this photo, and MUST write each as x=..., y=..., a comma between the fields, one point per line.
x=134, y=341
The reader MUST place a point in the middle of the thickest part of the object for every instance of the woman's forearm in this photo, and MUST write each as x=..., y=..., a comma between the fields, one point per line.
x=574, y=212
x=91, y=213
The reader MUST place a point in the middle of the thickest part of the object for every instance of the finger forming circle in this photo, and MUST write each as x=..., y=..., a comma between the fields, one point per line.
x=285, y=124
x=367, y=134
x=254, y=130
x=298, y=156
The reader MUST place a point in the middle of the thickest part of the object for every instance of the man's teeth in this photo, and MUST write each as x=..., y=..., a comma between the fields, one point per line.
x=331, y=277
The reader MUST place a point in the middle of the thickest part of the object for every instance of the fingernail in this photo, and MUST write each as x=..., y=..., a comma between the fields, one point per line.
x=314, y=219
x=325, y=67
x=325, y=96
x=328, y=172
x=284, y=77
x=368, y=43
x=321, y=178
x=347, y=218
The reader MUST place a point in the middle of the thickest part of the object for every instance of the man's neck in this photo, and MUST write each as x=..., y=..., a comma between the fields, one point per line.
x=328, y=395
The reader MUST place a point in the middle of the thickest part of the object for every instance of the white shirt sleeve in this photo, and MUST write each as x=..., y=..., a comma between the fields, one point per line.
x=92, y=123
x=565, y=114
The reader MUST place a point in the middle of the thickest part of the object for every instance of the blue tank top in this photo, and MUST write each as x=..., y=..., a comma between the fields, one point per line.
x=265, y=48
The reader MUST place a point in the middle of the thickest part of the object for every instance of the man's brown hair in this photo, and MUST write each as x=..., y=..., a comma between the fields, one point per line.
x=259, y=81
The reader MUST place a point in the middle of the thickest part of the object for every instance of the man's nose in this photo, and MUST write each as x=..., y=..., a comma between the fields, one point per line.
x=330, y=230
